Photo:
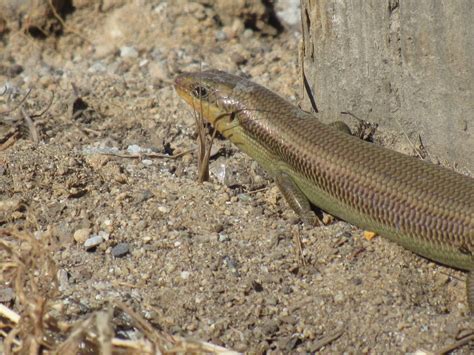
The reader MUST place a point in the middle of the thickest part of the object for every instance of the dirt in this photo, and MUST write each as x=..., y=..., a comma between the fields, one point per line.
x=216, y=262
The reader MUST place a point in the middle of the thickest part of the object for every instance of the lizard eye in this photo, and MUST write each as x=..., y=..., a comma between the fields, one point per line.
x=200, y=92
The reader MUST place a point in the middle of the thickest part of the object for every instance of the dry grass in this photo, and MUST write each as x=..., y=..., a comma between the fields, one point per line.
x=204, y=145
x=38, y=325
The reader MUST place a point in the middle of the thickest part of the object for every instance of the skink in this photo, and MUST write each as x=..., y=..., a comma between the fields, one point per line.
x=426, y=208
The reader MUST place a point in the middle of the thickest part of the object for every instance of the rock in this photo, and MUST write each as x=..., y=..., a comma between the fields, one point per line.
x=121, y=249
x=223, y=237
x=231, y=264
x=221, y=36
x=185, y=275
x=97, y=67
x=134, y=149
x=128, y=52
x=163, y=209
x=6, y=294
x=339, y=297
x=63, y=279
x=81, y=235
x=289, y=12
x=93, y=242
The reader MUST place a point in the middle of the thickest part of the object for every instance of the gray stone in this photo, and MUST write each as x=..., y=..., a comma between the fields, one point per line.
x=289, y=12
x=120, y=250
x=128, y=52
x=98, y=67
x=63, y=279
x=6, y=294
x=93, y=241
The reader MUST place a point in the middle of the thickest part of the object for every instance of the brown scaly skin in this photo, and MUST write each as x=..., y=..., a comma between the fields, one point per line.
x=426, y=208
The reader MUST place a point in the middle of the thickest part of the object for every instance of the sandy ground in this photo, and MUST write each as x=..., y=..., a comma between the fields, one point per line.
x=218, y=261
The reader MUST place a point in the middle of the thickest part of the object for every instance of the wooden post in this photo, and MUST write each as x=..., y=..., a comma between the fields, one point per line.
x=407, y=65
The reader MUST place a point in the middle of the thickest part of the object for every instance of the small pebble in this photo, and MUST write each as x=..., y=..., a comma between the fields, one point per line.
x=339, y=297
x=221, y=36
x=128, y=52
x=81, y=235
x=219, y=171
x=134, y=149
x=185, y=275
x=231, y=264
x=223, y=237
x=6, y=294
x=248, y=33
x=290, y=12
x=97, y=67
x=121, y=249
x=63, y=279
x=93, y=242
x=244, y=197
x=104, y=235
x=163, y=209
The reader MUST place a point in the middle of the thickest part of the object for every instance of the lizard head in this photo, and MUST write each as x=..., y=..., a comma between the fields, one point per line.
x=212, y=94
x=238, y=108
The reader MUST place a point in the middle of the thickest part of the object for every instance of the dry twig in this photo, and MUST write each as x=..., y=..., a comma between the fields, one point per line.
x=31, y=126
x=149, y=155
x=328, y=339
x=18, y=105
x=465, y=339
x=10, y=140
x=204, y=146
